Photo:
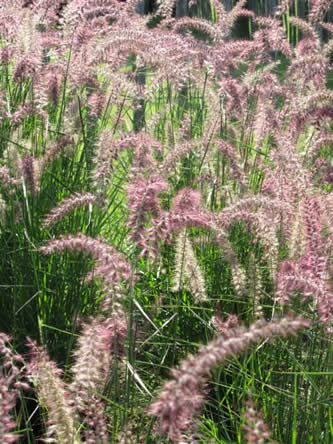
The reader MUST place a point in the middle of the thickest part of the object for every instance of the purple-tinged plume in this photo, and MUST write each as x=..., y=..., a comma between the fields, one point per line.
x=256, y=430
x=30, y=173
x=111, y=267
x=9, y=385
x=100, y=342
x=51, y=390
x=181, y=398
x=69, y=205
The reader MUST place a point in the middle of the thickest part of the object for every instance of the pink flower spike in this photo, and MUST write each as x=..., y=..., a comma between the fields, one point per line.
x=69, y=205
x=181, y=399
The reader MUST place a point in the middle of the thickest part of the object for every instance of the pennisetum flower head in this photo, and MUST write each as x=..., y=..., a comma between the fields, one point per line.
x=181, y=398
x=51, y=390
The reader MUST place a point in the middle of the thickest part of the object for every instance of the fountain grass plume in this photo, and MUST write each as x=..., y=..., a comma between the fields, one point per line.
x=181, y=398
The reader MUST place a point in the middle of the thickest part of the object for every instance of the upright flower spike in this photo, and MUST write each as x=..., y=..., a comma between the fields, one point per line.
x=100, y=342
x=309, y=272
x=181, y=398
x=187, y=269
x=51, y=389
x=97, y=102
x=53, y=81
x=144, y=203
x=9, y=385
x=30, y=173
x=96, y=347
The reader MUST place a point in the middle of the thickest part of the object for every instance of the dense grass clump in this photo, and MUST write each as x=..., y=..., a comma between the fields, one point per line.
x=165, y=214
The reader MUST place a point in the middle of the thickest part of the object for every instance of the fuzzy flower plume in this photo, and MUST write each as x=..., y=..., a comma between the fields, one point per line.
x=231, y=16
x=234, y=93
x=256, y=430
x=27, y=66
x=97, y=102
x=309, y=274
x=100, y=341
x=234, y=159
x=108, y=148
x=318, y=9
x=145, y=148
x=143, y=145
x=51, y=389
x=53, y=86
x=238, y=273
x=180, y=149
x=6, y=179
x=30, y=173
x=181, y=398
x=143, y=202
x=187, y=269
x=9, y=385
x=271, y=37
x=78, y=11
x=223, y=327
x=111, y=267
x=47, y=10
x=69, y=205
x=53, y=152
x=165, y=8
x=187, y=211
x=80, y=243
x=262, y=216
x=198, y=24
